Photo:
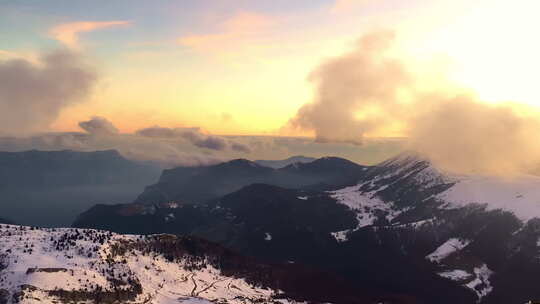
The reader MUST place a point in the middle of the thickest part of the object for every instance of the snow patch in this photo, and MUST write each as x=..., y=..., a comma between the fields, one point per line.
x=367, y=205
x=446, y=249
x=341, y=236
x=455, y=275
x=481, y=285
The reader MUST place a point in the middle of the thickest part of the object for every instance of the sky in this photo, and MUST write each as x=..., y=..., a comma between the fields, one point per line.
x=239, y=67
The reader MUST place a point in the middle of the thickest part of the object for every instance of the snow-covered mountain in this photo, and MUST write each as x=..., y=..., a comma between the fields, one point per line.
x=401, y=225
x=92, y=266
x=481, y=224
x=409, y=181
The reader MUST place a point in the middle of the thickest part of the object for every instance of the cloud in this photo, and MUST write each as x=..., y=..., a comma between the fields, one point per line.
x=362, y=80
x=32, y=95
x=241, y=147
x=367, y=90
x=196, y=137
x=68, y=33
x=159, y=132
x=204, y=141
x=98, y=126
x=241, y=26
x=163, y=152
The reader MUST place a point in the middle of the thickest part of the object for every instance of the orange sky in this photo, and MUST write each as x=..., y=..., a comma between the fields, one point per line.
x=241, y=69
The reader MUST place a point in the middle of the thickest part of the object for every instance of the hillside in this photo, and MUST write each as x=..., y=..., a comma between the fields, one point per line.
x=470, y=238
x=91, y=266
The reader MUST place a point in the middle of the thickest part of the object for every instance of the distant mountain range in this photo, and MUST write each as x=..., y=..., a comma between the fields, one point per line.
x=199, y=184
x=399, y=227
x=4, y=221
x=50, y=188
x=276, y=164
x=68, y=168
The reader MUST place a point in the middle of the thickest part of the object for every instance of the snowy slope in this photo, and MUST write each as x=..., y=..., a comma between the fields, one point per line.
x=377, y=195
x=82, y=265
x=519, y=195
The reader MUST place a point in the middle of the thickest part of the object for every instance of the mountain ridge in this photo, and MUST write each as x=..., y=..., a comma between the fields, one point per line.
x=200, y=184
x=397, y=212
x=276, y=164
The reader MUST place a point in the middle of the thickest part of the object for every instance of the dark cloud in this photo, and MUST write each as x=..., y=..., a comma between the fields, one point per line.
x=196, y=137
x=32, y=95
x=241, y=147
x=160, y=132
x=98, y=126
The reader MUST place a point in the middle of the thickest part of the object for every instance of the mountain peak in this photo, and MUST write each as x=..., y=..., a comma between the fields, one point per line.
x=277, y=164
x=242, y=162
x=407, y=158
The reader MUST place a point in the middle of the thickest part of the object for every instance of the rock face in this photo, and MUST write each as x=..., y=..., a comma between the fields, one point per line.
x=197, y=185
x=402, y=227
x=92, y=266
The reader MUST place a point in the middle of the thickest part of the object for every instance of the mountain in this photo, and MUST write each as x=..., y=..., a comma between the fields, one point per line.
x=67, y=168
x=200, y=184
x=402, y=226
x=62, y=265
x=4, y=221
x=276, y=164
x=49, y=188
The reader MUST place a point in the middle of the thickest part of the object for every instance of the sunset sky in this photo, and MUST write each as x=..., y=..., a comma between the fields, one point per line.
x=242, y=67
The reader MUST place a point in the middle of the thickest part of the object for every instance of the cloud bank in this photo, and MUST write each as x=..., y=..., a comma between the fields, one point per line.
x=367, y=90
x=196, y=137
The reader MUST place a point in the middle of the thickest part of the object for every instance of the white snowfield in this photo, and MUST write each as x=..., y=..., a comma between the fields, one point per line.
x=39, y=265
x=446, y=249
x=519, y=195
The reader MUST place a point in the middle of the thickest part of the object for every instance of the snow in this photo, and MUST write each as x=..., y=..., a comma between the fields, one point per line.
x=415, y=225
x=481, y=285
x=455, y=275
x=267, y=236
x=367, y=205
x=446, y=249
x=341, y=236
x=426, y=175
x=519, y=195
x=82, y=259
